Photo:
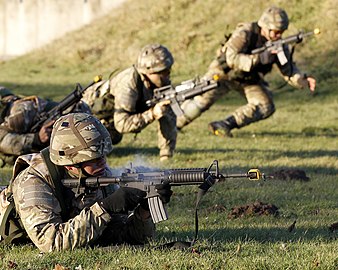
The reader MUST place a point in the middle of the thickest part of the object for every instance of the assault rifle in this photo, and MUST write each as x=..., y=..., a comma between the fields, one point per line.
x=146, y=180
x=186, y=90
x=277, y=45
x=63, y=105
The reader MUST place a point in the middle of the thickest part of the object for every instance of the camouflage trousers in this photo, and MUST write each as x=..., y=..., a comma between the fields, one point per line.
x=259, y=98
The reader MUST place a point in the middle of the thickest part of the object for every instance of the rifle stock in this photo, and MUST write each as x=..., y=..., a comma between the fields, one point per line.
x=204, y=177
x=63, y=105
x=275, y=45
x=186, y=90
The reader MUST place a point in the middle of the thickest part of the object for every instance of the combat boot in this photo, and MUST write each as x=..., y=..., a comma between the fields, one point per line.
x=223, y=128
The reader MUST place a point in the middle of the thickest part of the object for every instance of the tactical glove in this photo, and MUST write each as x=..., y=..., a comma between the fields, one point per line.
x=122, y=200
x=164, y=191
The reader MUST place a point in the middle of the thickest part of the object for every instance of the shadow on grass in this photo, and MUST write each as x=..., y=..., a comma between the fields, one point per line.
x=262, y=235
x=125, y=151
x=274, y=153
x=306, y=132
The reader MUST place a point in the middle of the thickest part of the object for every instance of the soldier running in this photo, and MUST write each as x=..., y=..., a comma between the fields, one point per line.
x=240, y=70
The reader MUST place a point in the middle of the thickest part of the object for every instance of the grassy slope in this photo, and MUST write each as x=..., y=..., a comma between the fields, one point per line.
x=301, y=134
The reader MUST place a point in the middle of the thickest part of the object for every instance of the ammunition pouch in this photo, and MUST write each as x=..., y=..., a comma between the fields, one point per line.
x=99, y=100
x=11, y=228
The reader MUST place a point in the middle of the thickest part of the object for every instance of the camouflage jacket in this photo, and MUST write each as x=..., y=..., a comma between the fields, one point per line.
x=242, y=65
x=121, y=101
x=40, y=211
x=15, y=135
x=131, y=93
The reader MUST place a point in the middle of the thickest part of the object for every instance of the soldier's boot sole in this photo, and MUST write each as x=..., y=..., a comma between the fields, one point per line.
x=219, y=130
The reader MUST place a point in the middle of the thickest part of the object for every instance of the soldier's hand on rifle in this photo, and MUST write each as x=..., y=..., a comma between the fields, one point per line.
x=122, y=200
x=45, y=132
x=311, y=83
x=164, y=191
x=159, y=110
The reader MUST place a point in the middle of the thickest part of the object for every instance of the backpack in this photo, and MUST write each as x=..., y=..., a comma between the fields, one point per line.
x=99, y=100
x=11, y=227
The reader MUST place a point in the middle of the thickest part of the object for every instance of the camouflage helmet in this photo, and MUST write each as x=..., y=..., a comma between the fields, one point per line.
x=4, y=101
x=4, y=92
x=78, y=137
x=274, y=18
x=154, y=58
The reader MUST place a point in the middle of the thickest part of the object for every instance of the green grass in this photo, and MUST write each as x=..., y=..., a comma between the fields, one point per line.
x=301, y=134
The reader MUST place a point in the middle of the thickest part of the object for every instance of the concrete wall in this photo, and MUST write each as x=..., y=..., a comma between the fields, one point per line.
x=29, y=24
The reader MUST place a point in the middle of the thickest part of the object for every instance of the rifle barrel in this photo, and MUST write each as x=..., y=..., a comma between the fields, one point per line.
x=71, y=99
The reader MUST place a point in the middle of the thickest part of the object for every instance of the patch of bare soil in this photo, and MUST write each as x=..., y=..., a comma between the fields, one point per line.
x=255, y=209
x=333, y=227
x=290, y=174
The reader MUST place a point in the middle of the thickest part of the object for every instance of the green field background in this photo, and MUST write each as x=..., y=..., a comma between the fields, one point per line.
x=302, y=134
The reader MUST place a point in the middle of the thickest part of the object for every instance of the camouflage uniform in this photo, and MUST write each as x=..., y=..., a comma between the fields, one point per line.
x=87, y=223
x=6, y=100
x=242, y=71
x=20, y=116
x=67, y=221
x=132, y=114
x=120, y=103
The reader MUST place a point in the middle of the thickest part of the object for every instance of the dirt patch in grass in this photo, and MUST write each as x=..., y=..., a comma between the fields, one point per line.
x=290, y=174
x=333, y=227
x=254, y=209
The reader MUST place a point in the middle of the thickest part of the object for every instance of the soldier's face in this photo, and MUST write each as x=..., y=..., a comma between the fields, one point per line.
x=95, y=167
x=271, y=34
x=161, y=78
x=275, y=34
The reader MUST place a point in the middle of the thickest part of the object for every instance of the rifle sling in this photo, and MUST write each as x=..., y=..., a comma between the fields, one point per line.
x=55, y=180
x=183, y=245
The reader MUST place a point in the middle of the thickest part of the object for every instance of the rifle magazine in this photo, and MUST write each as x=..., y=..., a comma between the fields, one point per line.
x=157, y=210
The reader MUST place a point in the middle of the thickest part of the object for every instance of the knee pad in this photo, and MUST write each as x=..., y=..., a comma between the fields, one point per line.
x=191, y=111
